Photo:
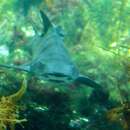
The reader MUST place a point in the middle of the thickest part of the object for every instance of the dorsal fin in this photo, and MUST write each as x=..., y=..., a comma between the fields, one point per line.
x=46, y=22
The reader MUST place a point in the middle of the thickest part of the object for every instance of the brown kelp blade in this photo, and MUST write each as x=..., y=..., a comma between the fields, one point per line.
x=18, y=95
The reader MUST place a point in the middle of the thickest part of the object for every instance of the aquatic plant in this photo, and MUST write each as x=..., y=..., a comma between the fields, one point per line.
x=9, y=110
x=120, y=115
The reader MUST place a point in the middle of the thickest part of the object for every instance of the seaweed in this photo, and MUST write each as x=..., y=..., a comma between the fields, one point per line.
x=9, y=110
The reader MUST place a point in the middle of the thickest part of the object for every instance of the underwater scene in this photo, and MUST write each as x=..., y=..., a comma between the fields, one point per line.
x=64, y=64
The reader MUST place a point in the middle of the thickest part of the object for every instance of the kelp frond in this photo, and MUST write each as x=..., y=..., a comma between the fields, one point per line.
x=9, y=110
x=120, y=115
x=18, y=95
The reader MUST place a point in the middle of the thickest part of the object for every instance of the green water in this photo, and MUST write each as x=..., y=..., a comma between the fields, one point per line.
x=74, y=58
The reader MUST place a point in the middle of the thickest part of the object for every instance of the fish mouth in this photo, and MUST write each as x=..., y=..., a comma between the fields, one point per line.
x=58, y=77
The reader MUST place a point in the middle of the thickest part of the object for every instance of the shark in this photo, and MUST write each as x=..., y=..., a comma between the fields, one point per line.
x=50, y=58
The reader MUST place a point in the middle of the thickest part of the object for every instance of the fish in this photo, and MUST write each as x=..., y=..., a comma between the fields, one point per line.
x=50, y=59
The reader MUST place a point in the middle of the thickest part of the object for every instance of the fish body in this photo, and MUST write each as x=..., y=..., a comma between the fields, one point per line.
x=50, y=58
